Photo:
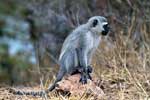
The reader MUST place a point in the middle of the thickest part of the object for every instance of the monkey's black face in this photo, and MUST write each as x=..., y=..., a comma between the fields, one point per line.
x=99, y=25
x=106, y=29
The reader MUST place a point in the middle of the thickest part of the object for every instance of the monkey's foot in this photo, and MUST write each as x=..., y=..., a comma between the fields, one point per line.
x=83, y=79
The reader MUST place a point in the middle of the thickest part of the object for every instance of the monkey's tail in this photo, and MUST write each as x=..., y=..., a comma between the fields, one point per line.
x=40, y=93
x=33, y=93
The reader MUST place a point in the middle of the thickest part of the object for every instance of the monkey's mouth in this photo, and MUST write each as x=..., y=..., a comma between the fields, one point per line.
x=106, y=30
x=104, y=33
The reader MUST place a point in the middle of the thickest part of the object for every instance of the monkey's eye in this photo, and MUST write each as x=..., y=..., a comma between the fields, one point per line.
x=95, y=22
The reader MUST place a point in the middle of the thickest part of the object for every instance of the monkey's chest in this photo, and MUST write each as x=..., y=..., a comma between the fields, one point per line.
x=92, y=41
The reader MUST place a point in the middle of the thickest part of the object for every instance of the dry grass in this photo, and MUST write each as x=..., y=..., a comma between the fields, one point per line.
x=124, y=72
x=124, y=68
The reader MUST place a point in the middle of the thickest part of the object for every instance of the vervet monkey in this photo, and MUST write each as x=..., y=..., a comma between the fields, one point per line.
x=77, y=50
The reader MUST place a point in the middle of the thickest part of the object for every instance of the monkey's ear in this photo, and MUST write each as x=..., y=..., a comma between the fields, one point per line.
x=95, y=22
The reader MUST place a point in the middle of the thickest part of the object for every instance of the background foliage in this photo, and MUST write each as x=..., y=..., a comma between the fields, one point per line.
x=32, y=33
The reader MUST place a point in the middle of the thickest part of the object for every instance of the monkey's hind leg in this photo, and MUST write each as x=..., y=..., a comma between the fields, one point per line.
x=59, y=77
x=67, y=64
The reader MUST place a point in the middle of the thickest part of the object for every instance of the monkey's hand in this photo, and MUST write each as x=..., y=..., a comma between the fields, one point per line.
x=85, y=75
x=83, y=78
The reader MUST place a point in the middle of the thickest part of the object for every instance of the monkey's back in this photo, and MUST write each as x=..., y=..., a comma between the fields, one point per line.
x=73, y=39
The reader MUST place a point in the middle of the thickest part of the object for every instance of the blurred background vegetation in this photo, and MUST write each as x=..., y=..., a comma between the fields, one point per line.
x=32, y=32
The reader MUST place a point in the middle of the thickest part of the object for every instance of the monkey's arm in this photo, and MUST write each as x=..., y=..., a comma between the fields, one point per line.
x=89, y=58
x=83, y=59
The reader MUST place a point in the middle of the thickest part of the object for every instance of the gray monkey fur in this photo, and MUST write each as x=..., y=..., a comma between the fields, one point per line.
x=79, y=47
x=77, y=50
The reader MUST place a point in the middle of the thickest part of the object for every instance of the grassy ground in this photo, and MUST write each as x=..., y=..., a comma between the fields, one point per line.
x=123, y=73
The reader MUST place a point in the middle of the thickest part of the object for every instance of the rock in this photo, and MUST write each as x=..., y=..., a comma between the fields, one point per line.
x=72, y=85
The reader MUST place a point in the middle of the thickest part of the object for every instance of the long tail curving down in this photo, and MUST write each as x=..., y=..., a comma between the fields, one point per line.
x=40, y=93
